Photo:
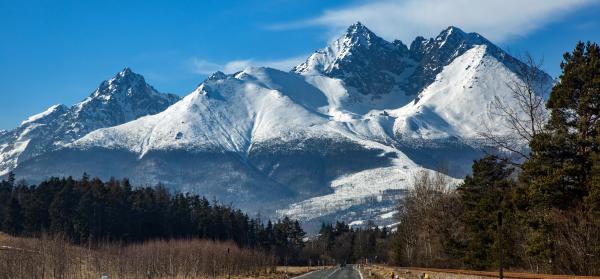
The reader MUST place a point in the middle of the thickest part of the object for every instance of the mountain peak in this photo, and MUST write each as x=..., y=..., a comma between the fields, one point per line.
x=364, y=61
x=218, y=75
x=121, y=82
x=457, y=36
x=452, y=30
x=451, y=34
x=357, y=28
x=358, y=33
x=127, y=74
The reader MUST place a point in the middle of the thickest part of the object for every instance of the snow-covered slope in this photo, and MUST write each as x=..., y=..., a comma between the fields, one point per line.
x=225, y=113
x=257, y=131
x=123, y=98
x=340, y=136
x=458, y=102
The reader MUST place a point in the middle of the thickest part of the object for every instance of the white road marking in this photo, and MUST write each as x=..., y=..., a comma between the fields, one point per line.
x=325, y=271
x=359, y=273
x=303, y=275
x=334, y=271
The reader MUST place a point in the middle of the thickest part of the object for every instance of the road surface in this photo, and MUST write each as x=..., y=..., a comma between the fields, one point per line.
x=347, y=272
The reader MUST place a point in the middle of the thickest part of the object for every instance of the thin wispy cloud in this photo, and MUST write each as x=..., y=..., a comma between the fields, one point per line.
x=497, y=20
x=202, y=66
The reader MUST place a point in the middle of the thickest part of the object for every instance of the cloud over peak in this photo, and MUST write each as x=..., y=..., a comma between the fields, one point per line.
x=498, y=20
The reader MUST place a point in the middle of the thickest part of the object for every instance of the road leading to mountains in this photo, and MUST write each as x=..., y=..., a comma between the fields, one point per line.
x=348, y=272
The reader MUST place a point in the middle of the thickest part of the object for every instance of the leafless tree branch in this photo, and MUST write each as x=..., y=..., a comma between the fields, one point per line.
x=523, y=112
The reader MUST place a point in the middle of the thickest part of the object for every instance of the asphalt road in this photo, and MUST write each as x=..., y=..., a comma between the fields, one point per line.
x=348, y=272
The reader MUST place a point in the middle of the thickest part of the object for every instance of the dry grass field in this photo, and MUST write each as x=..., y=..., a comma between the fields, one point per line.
x=25, y=258
x=381, y=272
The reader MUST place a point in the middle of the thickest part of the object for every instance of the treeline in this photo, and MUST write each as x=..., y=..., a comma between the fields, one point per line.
x=89, y=211
x=550, y=201
x=340, y=243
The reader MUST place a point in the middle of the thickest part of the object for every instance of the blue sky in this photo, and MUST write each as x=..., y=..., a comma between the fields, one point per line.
x=58, y=51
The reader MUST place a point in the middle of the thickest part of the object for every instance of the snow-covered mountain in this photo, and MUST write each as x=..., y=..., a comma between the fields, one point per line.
x=340, y=136
x=123, y=98
x=375, y=70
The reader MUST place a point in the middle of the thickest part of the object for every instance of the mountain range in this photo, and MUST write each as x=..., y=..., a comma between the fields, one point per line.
x=340, y=136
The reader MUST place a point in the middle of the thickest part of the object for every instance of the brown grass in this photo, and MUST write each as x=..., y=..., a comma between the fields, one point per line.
x=380, y=272
x=177, y=259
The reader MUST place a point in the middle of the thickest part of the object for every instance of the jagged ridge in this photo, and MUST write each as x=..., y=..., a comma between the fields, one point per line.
x=123, y=98
x=360, y=108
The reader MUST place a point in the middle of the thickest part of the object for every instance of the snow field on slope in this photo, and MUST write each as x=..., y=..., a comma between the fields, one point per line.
x=359, y=188
x=228, y=114
x=458, y=102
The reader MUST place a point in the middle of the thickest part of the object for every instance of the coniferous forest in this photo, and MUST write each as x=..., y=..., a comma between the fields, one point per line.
x=92, y=211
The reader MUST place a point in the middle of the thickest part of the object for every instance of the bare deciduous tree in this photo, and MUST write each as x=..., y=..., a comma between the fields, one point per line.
x=423, y=215
x=523, y=112
x=53, y=257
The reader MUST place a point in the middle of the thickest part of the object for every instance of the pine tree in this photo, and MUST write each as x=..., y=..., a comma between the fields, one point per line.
x=560, y=165
x=62, y=211
x=267, y=237
x=590, y=75
x=5, y=194
x=13, y=217
x=483, y=194
x=564, y=169
x=296, y=235
x=11, y=179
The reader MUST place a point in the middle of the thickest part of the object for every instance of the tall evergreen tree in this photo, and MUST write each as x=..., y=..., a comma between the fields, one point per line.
x=561, y=161
x=12, y=222
x=5, y=195
x=564, y=169
x=486, y=192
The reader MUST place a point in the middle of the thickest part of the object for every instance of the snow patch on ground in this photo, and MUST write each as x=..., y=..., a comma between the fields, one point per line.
x=388, y=215
x=357, y=223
